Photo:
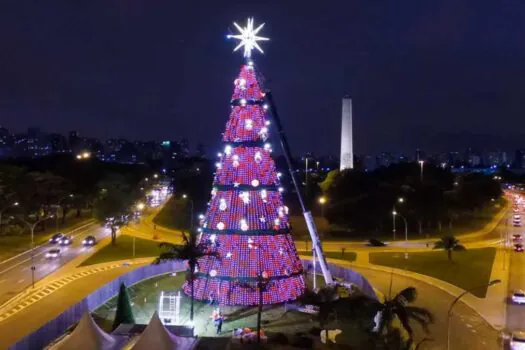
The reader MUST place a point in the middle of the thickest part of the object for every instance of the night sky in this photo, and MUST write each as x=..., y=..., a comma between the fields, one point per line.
x=431, y=74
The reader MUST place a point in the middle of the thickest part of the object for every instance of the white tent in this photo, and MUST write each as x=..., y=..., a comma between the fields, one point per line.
x=157, y=337
x=87, y=336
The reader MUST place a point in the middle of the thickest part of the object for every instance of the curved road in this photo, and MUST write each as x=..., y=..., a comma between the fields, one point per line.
x=469, y=330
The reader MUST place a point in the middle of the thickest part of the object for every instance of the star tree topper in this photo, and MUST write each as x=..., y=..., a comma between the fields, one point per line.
x=248, y=37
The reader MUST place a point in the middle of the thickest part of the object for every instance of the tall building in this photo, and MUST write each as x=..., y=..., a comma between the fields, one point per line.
x=347, y=149
x=519, y=159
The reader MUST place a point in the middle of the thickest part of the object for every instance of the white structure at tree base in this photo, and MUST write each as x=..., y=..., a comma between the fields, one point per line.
x=347, y=149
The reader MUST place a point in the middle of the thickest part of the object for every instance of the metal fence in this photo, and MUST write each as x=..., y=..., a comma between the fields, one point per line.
x=56, y=327
x=348, y=275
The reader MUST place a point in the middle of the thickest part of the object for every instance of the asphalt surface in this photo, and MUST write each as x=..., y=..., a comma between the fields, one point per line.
x=15, y=273
x=469, y=330
x=516, y=313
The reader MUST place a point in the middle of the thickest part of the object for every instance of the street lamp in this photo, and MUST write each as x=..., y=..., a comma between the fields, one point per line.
x=83, y=155
x=395, y=213
x=400, y=200
x=32, y=226
x=421, y=162
x=449, y=314
x=140, y=206
x=192, y=207
x=59, y=203
x=15, y=204
x=322, y=202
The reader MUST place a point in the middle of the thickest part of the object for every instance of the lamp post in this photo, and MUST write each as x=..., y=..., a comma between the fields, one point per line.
x=421, y=162
x=449, y=314
x=59, y=203
x=322, y=202
x=140, y=207
x=192, y=207
x=400, y=200
x=32, y=226
x=15, y=204
x=395, y=213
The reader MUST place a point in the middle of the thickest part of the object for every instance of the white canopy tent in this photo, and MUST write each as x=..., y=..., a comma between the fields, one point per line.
x=87, y=336
x=157, y=337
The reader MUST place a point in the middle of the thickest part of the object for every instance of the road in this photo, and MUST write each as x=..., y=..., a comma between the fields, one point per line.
x=516, y=313
x=469, y=330
x=15, y=273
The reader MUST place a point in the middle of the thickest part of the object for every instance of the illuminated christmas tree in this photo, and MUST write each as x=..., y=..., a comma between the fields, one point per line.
x=247, y=222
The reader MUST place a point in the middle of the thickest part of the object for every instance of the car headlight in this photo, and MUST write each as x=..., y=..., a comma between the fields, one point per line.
x=84, y=241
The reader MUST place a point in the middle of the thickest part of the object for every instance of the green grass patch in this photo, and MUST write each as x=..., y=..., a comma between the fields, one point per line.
x=347, y=256
x=275, y=318
x=123, y=250
x=467, y=269
x=175, y=215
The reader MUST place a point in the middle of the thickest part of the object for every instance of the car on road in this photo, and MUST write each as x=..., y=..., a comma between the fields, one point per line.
x=53, y=254
x=518, y=247
x=66, y=240
x=89, y=241
x=516, y=223
x=516, y=237
x=56, y=238
x=517, y=340
x=517, y=217
x=518, y=297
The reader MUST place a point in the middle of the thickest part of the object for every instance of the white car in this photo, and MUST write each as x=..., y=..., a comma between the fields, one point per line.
x=517, y=340
x=53, y=254
x=518, y=297
x=517, y=217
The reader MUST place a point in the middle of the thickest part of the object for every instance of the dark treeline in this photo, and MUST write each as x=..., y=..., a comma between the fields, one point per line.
x=364, y=201
x=38, y=186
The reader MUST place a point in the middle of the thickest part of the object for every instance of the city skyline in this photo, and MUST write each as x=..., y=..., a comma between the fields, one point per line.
x=35, y=143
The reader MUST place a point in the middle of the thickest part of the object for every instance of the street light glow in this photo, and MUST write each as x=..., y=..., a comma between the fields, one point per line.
x=15, y=204
x=401, y=199
x=322, y=200
x=394, y=213
x=140, y=206
x=184, y=196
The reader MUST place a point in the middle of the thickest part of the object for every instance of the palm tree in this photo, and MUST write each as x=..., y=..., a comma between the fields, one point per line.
x=398, y=308
x=191, y=250
x=325, y=298
x=261, y=286
x=450, y=244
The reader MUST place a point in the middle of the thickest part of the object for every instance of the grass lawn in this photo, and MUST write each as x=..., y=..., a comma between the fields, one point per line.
x=175, y=215
x=467, y=269
x=16, y=244
x=275, y=318
x=348, y=256
x=123, y=250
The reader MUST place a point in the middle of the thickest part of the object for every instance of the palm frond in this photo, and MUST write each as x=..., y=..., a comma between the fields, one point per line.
x=459, y=248
x=166, y=256
x=403, y=317
x=439, y=245
x=407, y=295
x=422, y=316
